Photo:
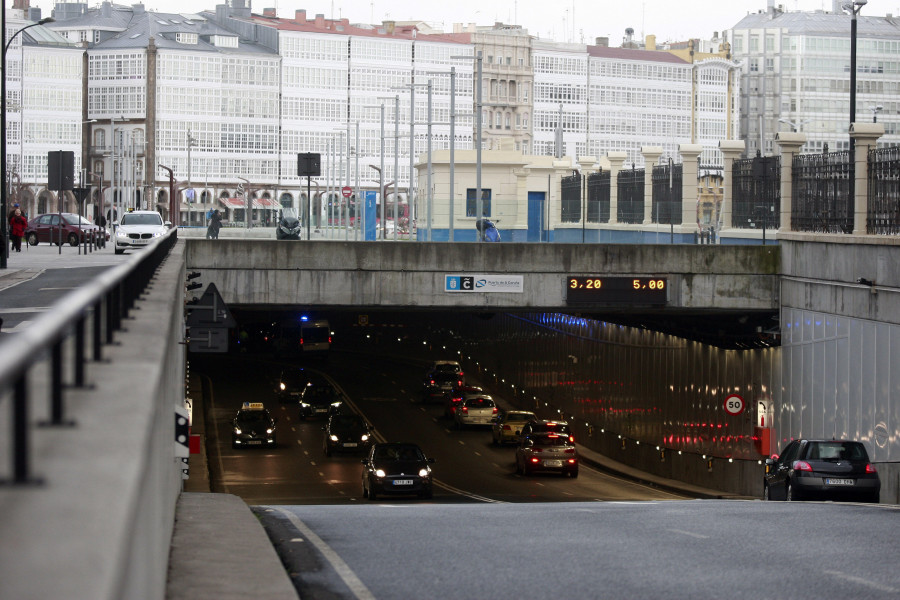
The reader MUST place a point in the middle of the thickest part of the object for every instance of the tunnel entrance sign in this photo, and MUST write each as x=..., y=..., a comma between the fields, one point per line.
x=734, y=405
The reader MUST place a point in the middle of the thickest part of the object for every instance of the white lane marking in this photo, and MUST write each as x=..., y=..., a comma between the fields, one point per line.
x=19, y=327
x=312, y=462
x=455, y=490
x=55, y=289
x=298, y=540
x=31, y=309
x=854, y=579
x=321, y=474
x=343, y=570
x=478, y=454
x=690, y=533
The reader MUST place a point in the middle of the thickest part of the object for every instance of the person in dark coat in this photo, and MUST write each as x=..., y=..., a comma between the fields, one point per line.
x=215, y=222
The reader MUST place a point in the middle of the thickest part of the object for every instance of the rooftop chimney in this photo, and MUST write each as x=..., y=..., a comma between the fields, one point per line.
x=320, y=20
x=300, y=15
x=269, y=12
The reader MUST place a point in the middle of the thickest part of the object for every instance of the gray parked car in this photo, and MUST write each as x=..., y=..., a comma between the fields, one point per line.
x=822, y=469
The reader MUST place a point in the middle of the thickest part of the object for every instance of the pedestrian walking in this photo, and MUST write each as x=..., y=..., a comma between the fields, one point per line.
x=215, y=222
x=17, y=226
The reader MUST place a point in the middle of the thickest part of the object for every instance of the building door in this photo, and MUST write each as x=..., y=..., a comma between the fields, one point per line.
x=535, y=217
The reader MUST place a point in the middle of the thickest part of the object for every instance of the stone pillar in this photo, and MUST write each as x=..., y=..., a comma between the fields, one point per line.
x=865, y=134
x=615, y=158
x=790, y=143
x=689, y=155
x=731, y=150
x=651, y=156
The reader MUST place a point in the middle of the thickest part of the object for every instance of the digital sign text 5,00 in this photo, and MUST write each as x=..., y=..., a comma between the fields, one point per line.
x=616, y=290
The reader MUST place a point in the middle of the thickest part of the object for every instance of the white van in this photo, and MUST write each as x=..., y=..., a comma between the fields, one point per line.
x=315, y=336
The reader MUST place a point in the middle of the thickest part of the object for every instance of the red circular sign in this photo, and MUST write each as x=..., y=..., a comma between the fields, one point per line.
x=346, y=191
x=734, y=405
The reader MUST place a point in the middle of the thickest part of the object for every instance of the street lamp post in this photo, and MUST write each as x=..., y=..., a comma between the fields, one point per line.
x=854, y=7
x=191, y=142
x=795, y=127
x=4, y=198
x=479, y=203
x=875, y=110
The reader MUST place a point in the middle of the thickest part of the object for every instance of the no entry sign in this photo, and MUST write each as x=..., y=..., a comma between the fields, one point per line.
x=346, y=191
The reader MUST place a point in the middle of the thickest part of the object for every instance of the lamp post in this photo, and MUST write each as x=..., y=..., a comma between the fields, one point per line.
x=248, y=203
x=191, y=142
x=479, y=203
x=875, y=110
x=854, y=7
x=396, y=98
x=4, y=200
x=794, y=126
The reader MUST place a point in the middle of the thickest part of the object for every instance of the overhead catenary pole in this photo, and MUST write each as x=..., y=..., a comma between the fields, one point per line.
x=479, y=202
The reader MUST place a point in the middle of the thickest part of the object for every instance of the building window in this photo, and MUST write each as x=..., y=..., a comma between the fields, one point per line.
x=471, y=210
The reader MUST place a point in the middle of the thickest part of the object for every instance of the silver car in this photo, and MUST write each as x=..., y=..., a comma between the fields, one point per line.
x=476, y=409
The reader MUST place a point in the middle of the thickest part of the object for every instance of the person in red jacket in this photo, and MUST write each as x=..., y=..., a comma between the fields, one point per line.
x=17, y=226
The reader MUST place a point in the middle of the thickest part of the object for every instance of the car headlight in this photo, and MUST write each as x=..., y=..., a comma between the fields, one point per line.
x=336, y=404
x=157, y=234
x=270, y=430
x=365, y=438
x=121, y=234
x=304, y=405
x=333, y=438
x=424, y=472
x=283, y=387
x=237, y=430
x=379, y=472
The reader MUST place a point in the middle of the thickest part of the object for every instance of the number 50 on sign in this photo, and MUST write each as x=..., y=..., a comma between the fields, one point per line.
x=734, y=405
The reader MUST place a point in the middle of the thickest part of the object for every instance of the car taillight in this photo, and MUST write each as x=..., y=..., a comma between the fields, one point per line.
x=465, y=410
x=432, y=382
x=572, y=439
x=494, y=412
x=572, y=461
x=570, y=451
x=802, y=465
x=870, y=469
x=535, y=460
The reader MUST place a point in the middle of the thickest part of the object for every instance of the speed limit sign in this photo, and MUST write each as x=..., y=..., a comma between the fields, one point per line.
x=734, y=405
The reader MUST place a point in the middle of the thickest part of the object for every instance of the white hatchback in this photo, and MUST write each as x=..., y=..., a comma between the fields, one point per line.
x=475, y=409
x=138, y=228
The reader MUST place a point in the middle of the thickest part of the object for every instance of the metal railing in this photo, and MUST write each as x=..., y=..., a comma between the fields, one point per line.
x=598, y=197
x=883, y=216
x=667, y=193
x=821, y=200
x=631, y=195
x=82, y=323
x=756, y=185
x=570, y=193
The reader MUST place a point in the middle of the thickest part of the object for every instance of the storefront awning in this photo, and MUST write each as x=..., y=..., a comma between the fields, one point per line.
x=232, y=202
x=264, y=203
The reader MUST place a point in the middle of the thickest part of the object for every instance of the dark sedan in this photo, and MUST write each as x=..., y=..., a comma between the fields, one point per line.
x=396, y=468
x=822, y=469
x=346, y=433
x=60, y=228
x=319, y=400
x=291, y=384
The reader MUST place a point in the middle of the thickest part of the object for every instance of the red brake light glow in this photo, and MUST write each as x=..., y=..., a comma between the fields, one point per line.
x=802, y=465
x=465, y=410
x=494, y=411
x=535, y=460
x=870, y=469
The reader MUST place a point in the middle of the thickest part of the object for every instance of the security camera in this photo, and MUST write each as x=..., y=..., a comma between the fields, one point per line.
x=864, y=281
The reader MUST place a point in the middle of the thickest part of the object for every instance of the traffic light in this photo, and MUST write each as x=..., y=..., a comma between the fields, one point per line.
x=193, y=285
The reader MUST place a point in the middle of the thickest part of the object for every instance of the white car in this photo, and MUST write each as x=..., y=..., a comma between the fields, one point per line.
x=475, y=409
x=138, y=228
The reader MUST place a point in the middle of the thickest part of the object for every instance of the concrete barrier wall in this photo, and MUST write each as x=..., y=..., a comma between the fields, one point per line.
x=326, y=273
x=99, y=524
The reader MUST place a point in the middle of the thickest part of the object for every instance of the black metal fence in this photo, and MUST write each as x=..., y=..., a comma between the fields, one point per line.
x=570, y=205
x=884, y=191
x=598, y=197
x=821, y=200
x=631, y=196
x=83, y=322
x=667, y=197
x=756, y=189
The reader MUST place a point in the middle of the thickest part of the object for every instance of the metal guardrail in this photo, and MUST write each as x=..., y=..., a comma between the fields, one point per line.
x=822, y=200
x=883, y=216
x=98, y=309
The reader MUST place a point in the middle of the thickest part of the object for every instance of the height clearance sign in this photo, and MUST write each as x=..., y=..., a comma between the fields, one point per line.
x=484, y=283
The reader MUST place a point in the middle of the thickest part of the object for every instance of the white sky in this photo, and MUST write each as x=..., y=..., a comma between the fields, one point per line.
x=570, y=20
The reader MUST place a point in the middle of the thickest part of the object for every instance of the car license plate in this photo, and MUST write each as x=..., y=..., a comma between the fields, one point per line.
x=254, y=442
x=350, y=445
x=321, y=410
x=403, y=482
x=830, y=481
x=552, y=463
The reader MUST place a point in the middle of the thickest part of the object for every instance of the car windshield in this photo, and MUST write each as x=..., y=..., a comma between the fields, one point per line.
x=142, y=219
x=320, y=395
x=76, y=220
x=551, y=440
x=480, y=402
x=294, y=379
x=347, y=422
x=518, y=417
x=398, y=452
x=288, y=213
x=836, y=451
x=447, y=368
x=253, y=416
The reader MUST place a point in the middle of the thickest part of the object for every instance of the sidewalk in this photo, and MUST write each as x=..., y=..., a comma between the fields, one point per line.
x=33, y=260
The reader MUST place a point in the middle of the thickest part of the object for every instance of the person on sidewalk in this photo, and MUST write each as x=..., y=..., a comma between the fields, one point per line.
x=17, y=226
x=215, y=222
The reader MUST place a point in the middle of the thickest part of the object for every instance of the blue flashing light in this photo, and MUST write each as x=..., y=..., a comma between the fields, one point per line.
x=304, y=318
